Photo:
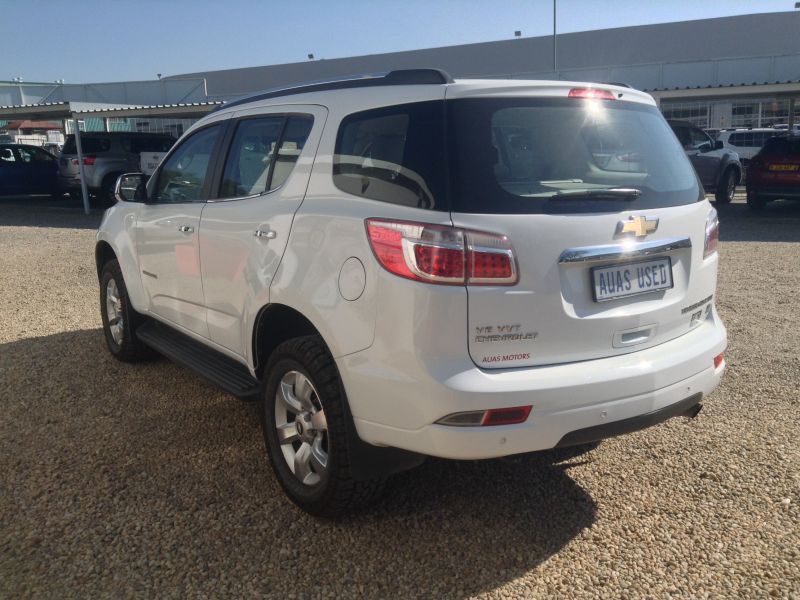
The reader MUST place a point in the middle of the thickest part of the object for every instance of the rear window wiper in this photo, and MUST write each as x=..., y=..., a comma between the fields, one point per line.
x=598, y=193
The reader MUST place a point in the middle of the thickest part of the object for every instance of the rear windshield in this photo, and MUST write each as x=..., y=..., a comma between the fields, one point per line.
x=781, y=146
x=558, y=155
x=137, y=145
x=89, y=145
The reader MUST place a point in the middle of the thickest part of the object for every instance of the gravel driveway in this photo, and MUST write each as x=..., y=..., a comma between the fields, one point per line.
x=118, y=480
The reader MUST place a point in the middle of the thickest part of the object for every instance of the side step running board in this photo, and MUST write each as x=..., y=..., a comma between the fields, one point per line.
x=230, y=375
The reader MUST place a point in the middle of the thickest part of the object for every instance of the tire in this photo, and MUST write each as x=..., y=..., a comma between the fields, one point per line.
x=317, y=448
x=120, y=334
x=727, y=186
x=754, y=201
x=106, y=192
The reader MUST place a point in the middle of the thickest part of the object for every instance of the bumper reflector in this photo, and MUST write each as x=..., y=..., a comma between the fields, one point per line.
x=719, y=359
x=483, y=418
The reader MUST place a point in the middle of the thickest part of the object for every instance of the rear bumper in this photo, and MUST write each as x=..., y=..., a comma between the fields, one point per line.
x=73, y=182
x=773, y=191
x=572, y=403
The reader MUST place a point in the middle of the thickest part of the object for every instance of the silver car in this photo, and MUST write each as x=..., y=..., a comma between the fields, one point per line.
x=106, y=155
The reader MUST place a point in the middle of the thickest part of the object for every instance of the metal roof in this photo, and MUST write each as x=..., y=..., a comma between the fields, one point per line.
x=69, y=110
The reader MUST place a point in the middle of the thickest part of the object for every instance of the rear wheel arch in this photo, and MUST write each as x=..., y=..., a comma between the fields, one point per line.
x=279, y=323
x=275, y=324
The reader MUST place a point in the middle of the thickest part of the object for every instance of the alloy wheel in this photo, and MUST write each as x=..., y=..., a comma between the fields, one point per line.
x=302, y=428
x=114, y=312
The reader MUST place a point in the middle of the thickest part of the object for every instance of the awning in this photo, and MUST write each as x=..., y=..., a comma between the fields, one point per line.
x=78, y=110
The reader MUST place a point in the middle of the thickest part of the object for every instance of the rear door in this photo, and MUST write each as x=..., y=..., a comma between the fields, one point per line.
x=40, y=169
x=12, y=175
x=599, y=274
x=244, y=229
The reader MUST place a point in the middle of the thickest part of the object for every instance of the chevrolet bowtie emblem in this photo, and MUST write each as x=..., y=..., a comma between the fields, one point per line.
x=638, y=226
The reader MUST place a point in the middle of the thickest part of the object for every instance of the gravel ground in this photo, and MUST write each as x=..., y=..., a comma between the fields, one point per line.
x=118, y=480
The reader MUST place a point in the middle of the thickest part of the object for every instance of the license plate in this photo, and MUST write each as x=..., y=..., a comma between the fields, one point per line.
x=783, y=167
x=631, y=279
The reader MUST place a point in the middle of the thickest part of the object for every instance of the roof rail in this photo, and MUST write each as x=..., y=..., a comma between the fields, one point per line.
x=398, y=77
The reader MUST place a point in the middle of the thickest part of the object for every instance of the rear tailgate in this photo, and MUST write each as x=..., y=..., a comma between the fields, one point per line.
x=555, y=314
x=602, y=209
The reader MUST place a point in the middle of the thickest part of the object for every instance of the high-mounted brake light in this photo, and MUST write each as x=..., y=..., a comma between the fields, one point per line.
x=712, y=233
x=591, y=93
x=441, y=254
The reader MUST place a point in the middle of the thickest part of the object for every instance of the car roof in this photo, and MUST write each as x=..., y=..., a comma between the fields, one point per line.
x=408, y=84
x=121, y=133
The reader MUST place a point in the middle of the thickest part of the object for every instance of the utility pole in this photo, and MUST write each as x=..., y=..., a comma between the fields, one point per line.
x=555, y=63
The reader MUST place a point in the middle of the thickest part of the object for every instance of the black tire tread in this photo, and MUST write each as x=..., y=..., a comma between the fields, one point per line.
x=132, y=348
x=721, y=194
x=344, y=493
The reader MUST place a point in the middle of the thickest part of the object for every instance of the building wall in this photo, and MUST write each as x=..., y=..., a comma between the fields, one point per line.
x=710, y=52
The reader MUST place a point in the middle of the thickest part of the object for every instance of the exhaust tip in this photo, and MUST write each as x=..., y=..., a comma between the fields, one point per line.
x=693, y=411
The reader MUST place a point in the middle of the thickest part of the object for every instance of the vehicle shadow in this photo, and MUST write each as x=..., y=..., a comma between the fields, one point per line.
x=779, y=221
x=159, y=471
x=44, y=211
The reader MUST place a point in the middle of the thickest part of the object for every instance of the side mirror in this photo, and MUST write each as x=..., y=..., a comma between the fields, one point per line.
x=131, y=187
x=705, y=147
x=718, y=145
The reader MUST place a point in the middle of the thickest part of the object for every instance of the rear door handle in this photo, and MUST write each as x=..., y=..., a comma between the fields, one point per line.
x=185, y=228
x=268, y=234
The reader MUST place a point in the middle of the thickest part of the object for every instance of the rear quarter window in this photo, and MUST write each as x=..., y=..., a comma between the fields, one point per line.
x=393, y=154
x=89, y=145
x=138, y=145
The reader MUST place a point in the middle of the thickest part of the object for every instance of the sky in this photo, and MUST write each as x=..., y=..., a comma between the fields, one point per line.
x=86, y=41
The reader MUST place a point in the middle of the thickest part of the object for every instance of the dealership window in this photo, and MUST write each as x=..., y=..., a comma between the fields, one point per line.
x=696, y=113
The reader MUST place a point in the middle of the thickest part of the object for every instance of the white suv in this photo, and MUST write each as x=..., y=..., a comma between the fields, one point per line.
x=406, y=265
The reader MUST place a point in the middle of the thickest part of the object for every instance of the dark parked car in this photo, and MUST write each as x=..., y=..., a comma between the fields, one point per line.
x=718, y=167
x=774, y=172
x=106, y=156
x=27, y=170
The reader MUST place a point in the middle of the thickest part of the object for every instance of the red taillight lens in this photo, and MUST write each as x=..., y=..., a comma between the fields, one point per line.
x=483, y=418
x=89, y=160
x=441, y=254
x=591, y=93
x=506, y=416
x=712, y=234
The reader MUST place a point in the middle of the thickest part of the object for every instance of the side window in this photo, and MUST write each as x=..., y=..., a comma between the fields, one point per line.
x=292, y=144
x=34, y=155
x=250, y=158
x=183, y=176
x=699, y=139
x=7, y=156
x=682, y=133
x=253, y=167
x=393, y=154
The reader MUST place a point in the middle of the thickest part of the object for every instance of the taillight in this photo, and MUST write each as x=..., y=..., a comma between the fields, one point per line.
x=441, y=254
x=712, y=234
x=512, y=415
x=89, y=160
x=591, y=93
